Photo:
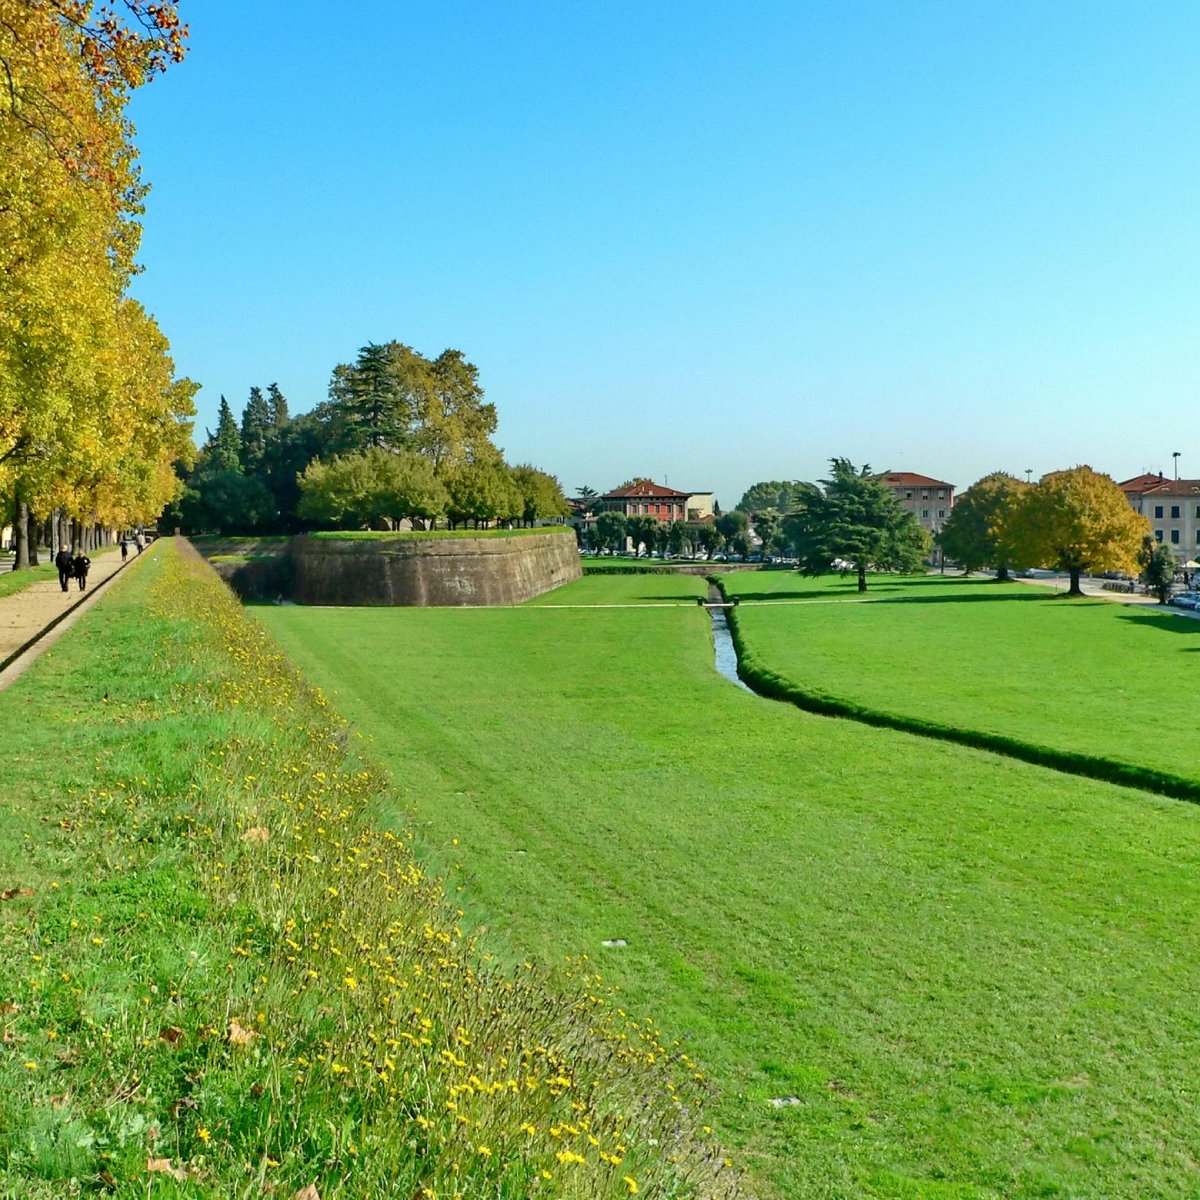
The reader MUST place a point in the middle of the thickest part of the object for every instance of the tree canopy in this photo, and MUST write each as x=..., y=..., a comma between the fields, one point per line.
x=777, y=495
x=854, y=518
x=976, y=533
x=91, y=417
x=1077, y=520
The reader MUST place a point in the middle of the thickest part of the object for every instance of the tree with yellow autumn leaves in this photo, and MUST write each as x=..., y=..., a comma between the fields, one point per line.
x=1075, y=521
x=91, y=416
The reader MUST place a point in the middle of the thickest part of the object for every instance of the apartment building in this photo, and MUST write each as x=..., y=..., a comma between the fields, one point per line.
x=1172, y=506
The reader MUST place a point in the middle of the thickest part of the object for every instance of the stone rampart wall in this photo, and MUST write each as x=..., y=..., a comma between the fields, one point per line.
x=442, y=571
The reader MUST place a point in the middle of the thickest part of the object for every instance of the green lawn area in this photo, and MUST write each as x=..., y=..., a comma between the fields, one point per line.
x=1088, y=676
x=659, y=588
x=974, y=977
x=220, y=977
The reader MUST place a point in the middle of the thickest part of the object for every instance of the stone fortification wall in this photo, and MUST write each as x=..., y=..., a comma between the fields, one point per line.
x=443, y=571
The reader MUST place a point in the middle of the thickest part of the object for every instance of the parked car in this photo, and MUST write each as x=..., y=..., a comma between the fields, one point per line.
x=1189, y=600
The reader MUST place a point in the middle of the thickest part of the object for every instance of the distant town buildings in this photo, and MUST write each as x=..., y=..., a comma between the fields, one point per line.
x=647, y=499
x=1172, y=506
x=929, y=500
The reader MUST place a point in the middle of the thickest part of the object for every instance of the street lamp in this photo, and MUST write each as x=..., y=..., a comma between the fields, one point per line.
x=1028, y=474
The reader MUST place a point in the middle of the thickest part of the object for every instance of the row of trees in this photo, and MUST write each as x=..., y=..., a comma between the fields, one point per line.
x=400, y=437
x=612, y=530
x=92, y=418
x=1076, y=521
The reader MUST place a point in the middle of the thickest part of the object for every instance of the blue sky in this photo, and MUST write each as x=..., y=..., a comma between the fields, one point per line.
x=711, y=243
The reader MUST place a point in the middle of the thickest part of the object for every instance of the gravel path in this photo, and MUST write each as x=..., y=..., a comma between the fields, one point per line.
x=44, y=608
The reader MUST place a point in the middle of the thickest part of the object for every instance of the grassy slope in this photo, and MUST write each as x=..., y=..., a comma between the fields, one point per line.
x=1091, y=676
x=974, y=975
x=662, y=588
x=218, y=979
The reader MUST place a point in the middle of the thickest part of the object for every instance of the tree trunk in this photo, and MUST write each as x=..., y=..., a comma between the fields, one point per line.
x=862, y=577
x=1075, y=590
x=1002, y=575
x=31, y=536
x=21, y=532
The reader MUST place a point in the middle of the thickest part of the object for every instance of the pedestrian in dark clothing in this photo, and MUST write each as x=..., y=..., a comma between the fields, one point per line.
x=81, y=565
x=66, y=567
x=124, y=548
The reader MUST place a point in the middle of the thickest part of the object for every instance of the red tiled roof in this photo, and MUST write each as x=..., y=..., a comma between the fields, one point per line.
x=652, y=490
x=908, y=479
x=1143, y=484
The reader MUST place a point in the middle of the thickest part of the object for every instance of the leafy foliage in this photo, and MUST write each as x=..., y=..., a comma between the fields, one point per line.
x=857, y=520
x=1077, y=520
x=91, y=418
x=975, y=533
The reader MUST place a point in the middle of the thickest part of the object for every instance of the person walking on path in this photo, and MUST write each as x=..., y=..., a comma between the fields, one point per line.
x=124, y=546
x=138, y=541
x=65, y=564
x=81, y=565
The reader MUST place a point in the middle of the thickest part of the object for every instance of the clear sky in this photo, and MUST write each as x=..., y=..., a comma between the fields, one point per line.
x=707, y=242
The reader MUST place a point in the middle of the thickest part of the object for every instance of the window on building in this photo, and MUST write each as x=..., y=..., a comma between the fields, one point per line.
x=1175, y=511
x=941, y=495
x=1175, y=537
x=941, y=512
x=908, y=495
x=1158, y=512
x=1158, y=535
x=1198, y=512
x=924, y=514
x=924, y=495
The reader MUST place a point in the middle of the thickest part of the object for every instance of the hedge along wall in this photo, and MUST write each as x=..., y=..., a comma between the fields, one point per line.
x=482, y=570
x=766, y=681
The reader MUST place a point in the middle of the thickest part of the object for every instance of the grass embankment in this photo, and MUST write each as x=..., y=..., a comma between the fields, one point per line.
x=1084, y=685
x=640, y=588
x=623, y=566
x=218, y=977
x=974, y=978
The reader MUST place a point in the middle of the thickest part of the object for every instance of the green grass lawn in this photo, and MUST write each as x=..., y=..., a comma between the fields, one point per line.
x=220, y=977
x=974, y=977
x=1089, y=676
x=659, y=588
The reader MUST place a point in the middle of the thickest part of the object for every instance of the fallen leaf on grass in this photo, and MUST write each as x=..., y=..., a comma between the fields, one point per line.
x=163, y=1166
x=13, y=893
x=171, y=1034
x=239, y=1035
x=257, y=833
x=308, y=1193
x=182, y=1105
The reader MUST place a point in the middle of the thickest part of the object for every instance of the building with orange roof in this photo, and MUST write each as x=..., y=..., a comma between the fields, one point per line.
x=929, y=500
x=1172, y=506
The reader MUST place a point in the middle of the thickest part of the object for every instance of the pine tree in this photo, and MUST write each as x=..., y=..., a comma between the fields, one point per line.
x=223, y=451
x=257, y=427
x=856, y=519
x=278, y=405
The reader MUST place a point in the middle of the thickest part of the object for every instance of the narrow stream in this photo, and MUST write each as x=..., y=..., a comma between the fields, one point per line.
x=726, y=654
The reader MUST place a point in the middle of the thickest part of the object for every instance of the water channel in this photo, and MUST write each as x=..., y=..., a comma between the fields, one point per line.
x=726, y=654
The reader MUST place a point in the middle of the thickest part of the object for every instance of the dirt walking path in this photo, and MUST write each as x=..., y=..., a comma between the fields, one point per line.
x=33, y=618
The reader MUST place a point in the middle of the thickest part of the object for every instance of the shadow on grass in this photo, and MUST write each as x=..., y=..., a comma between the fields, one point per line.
x=1164, y=620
